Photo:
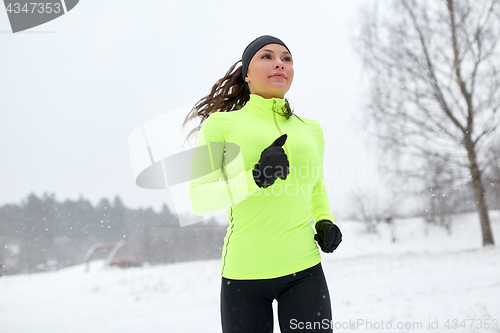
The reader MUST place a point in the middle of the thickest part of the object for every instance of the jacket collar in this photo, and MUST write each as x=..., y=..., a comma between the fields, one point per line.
x=264, y=107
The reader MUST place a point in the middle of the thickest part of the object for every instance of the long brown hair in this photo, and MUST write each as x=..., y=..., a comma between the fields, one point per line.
x=229, y=93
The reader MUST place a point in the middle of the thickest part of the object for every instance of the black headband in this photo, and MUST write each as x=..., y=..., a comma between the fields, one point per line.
x=255, y=46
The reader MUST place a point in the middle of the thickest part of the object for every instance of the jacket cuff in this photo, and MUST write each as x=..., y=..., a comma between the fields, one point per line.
x=322, y=221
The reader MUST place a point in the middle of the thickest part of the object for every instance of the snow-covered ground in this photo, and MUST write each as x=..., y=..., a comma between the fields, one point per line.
x=426, y=277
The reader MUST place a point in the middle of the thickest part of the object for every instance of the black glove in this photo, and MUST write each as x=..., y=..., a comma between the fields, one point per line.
x=273, y=164
x=328, y=235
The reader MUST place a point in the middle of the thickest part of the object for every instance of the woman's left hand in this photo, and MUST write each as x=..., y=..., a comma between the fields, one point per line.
x=328, y=235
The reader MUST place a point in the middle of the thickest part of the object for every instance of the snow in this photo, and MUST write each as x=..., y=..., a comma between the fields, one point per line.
x=426, y=275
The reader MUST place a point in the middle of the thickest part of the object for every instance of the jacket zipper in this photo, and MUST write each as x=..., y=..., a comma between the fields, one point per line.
x=285, y=146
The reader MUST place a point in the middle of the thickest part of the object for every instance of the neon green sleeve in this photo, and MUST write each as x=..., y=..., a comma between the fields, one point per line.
x=320, y=208
x=211, y=189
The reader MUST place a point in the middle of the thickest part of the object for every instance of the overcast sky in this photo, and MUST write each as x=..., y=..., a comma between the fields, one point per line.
x=73, y=89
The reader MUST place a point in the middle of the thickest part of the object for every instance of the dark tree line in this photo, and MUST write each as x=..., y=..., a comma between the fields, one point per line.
x=41, y=230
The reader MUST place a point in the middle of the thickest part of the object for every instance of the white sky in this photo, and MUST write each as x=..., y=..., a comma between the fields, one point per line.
x=73, y=89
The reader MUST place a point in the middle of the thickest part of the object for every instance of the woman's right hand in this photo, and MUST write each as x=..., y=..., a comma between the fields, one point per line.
x=328, y=236
x=273, y=164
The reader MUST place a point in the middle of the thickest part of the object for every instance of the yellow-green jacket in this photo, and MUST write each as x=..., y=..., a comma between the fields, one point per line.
x=270, y=232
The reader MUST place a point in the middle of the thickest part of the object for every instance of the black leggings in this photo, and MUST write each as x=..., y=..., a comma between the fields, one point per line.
x=303, y=303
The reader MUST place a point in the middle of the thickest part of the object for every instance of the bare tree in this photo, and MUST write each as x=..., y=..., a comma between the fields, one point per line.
x=440, y=184
x=492, y=172
x=435, y=83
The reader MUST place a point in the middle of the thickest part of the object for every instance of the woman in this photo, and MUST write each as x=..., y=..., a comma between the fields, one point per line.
x=263, y=164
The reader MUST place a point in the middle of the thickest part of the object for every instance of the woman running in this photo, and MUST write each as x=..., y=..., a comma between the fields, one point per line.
x=263, y=164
